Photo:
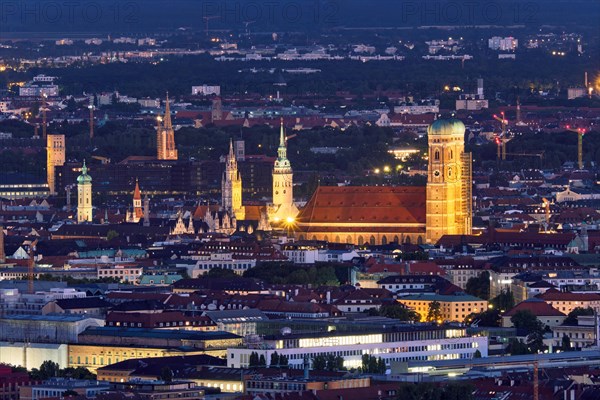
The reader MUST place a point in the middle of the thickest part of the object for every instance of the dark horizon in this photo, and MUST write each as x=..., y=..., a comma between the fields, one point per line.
x=102, y=17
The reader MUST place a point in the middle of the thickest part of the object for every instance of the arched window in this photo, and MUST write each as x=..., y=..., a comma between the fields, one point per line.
x=337, y=239
x=384, y=240
x=325, y=238
x=314, y=237
x=420, y=240
x=436, y=155
x=450, y=154
x=349, y=239
x=301, y=237
x=407, y=240
x=372, y=240
x=361, y=241
x=396, y=240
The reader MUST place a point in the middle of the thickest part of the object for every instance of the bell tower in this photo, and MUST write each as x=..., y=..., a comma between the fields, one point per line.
x=84, y=196
x=231, y=186
x=283, y=177
x=448, y=203
x=165, y=139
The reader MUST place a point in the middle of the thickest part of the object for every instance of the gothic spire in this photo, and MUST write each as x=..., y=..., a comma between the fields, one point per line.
x=282, y=150
x=231, y=154
x=137, y=195
x=167, y=118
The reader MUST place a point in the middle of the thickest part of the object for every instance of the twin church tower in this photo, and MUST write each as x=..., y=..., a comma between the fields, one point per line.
x=444, y=207
x=282, y=209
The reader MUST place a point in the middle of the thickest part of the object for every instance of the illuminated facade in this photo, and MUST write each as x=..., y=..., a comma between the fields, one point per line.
x=231, y=187
x=283, y=207
x=452, y=308
x=402, y=344
x=448, y=203
x=84, y=196
x=55, y=156
x=378, y=215
x=93, y=357
x=137, y=213
x=165, y=139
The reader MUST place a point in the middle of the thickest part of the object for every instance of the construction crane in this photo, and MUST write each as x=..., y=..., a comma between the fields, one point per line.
x=30, y=266
x=580, y=132
x=501, y=141
x=208, y=18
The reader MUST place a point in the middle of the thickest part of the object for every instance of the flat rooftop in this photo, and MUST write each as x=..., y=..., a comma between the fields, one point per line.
x=158, y=333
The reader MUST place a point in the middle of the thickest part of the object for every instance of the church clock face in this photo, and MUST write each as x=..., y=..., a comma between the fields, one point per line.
x=436, y=173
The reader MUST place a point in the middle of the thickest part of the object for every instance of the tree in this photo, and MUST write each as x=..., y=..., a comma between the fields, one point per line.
x=283, y=361
x=486, y=318
x=399, y=311
x=525, y=320
x=566, y=343
x=262, y=362
x=319, y=363
x=434, y=313
x=71, y=105
x=253, y=361
x=504, y=301
x=479, y=286
x=166, y=374
x=477, y=354
x=222, y=273
x=274, y=360
x=112, y=234
x=578, y=311
x=48, y=369
x=517, y=347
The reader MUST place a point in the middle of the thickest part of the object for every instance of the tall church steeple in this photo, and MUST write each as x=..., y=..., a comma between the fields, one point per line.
x=283, y=207
x=449, y=201
x=137, y=201
x=84, y=196
x=231, y=187
x=282, y=149
x=165, y=146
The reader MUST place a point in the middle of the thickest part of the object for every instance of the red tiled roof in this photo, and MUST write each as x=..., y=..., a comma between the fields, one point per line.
x=555, y=295
x=537, y=307
x=365, y=204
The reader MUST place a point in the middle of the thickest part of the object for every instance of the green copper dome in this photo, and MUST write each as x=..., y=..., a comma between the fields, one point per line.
x=443, y=127
x=84, y=177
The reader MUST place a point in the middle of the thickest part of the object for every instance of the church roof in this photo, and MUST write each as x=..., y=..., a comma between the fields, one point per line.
x=444, y=127
x=365, y=204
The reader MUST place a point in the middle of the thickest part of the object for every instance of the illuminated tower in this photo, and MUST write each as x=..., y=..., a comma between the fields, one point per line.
x=165, y=139
x=55, y=156
x=283, y=178
x=231, y=187
x=136, y=215
x=84, y=196
x=449, y=204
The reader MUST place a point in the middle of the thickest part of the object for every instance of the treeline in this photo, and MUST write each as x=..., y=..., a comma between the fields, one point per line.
x=286, y=273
